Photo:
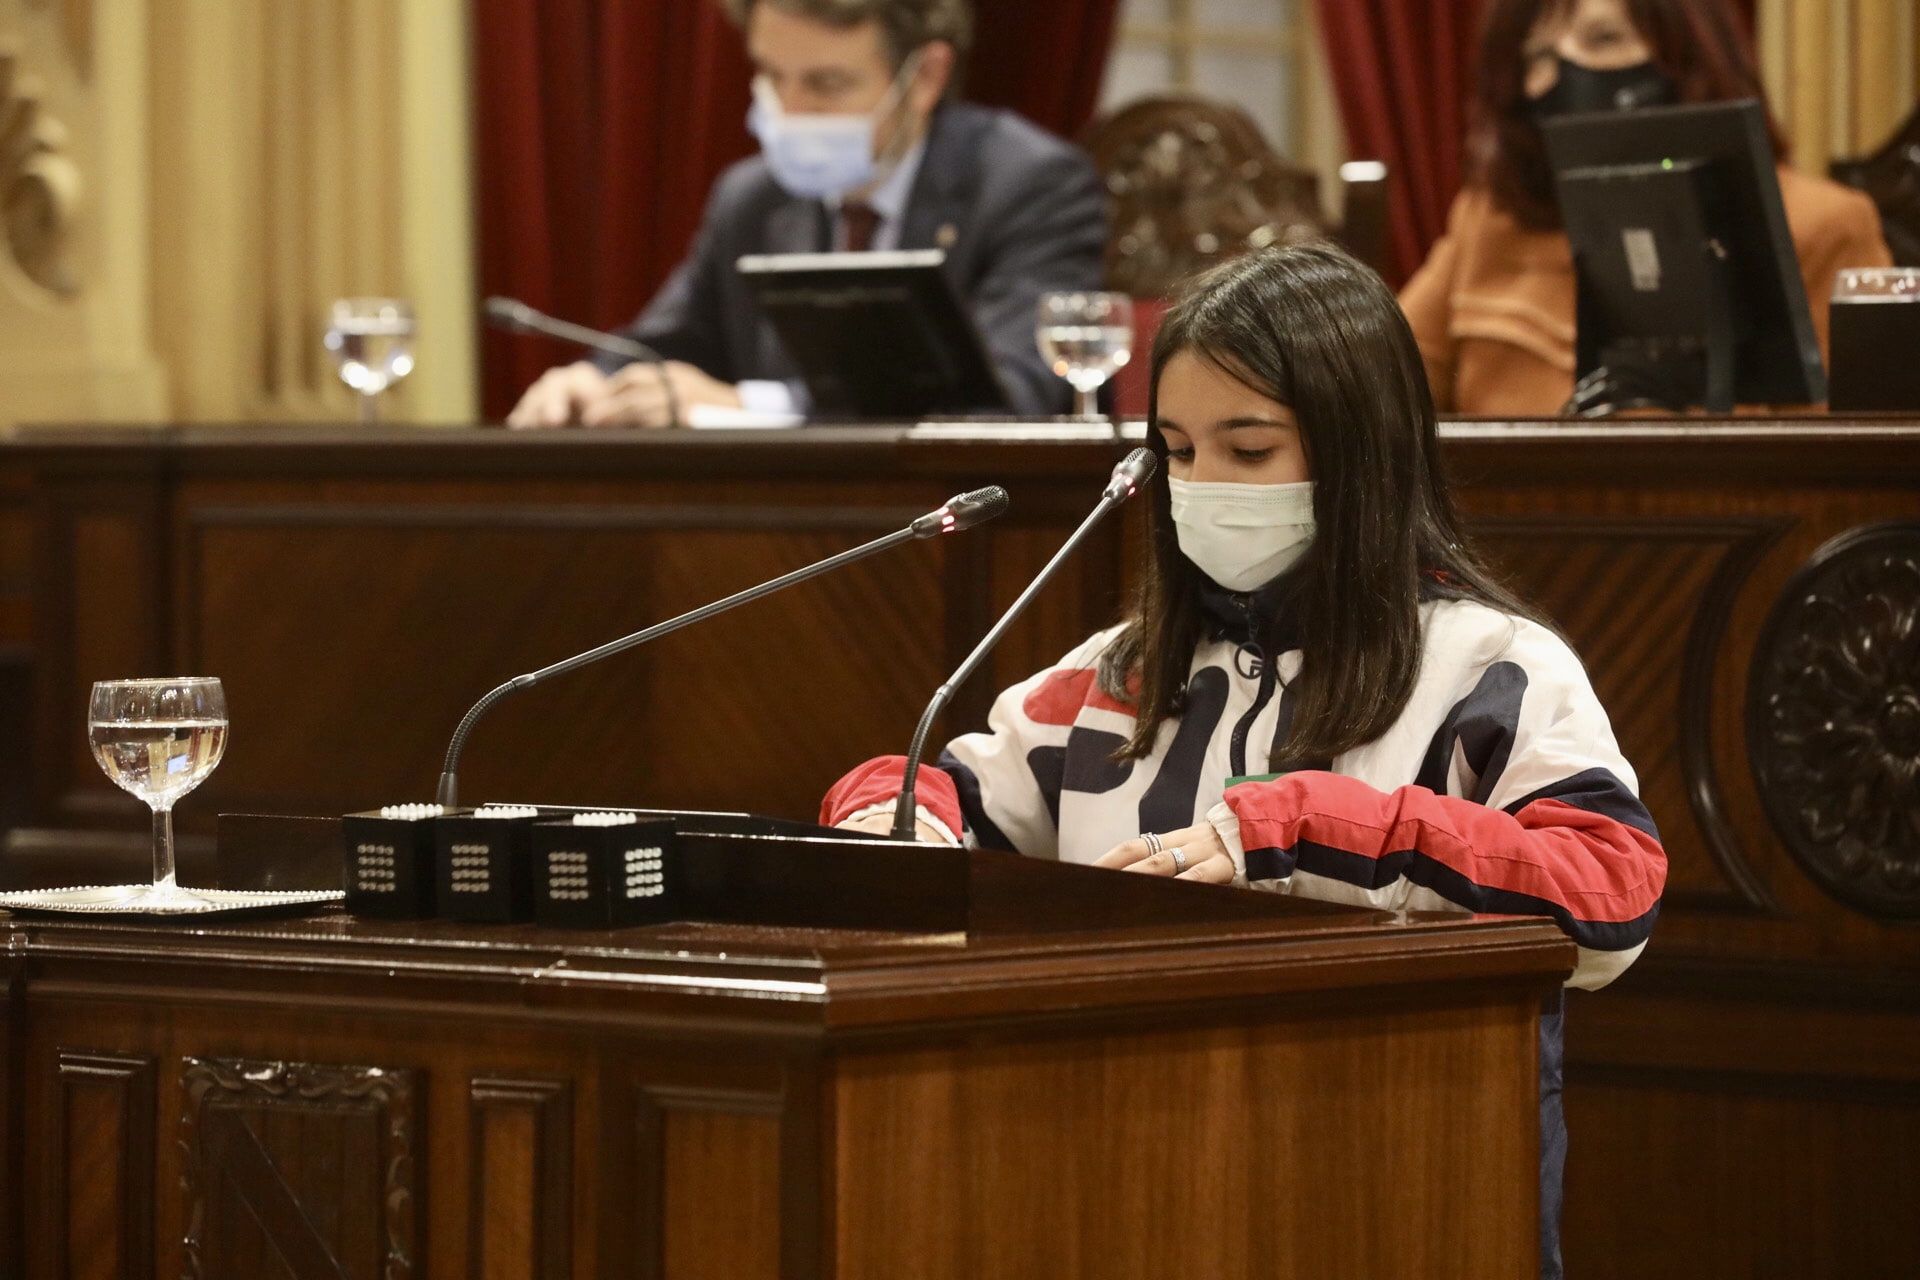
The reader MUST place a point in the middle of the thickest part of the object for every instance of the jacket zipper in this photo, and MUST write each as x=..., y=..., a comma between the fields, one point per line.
x=1237, y=755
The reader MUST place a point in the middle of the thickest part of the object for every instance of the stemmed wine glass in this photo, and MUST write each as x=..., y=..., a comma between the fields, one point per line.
x=1087, y=338
x=372, y=341
x=159, y=739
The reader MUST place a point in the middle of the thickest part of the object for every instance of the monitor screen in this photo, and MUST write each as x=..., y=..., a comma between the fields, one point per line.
x=876, y=335
x=1689, y=287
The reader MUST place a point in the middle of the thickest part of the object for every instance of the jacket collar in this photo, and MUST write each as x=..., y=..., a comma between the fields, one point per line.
x=1269, y=614
x=1261, y=617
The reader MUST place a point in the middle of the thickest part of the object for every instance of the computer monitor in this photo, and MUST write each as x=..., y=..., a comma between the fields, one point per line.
x=1689, y=289
x=876, y=335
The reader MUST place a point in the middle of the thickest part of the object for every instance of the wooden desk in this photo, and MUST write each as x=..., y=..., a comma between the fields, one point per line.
x=1318, y=1092
x=1742, y=1103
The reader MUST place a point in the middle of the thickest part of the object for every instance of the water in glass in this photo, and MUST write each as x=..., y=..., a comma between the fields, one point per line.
x=1086, y=339
x=158, y=739
x=158, y=760
x=372, y=341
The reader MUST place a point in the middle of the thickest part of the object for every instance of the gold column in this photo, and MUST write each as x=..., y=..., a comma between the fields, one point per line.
x=1842, y=74
x=74, y=340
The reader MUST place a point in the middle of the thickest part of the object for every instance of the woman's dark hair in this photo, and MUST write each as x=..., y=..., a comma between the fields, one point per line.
x=1701, y=44
x=1313, y=329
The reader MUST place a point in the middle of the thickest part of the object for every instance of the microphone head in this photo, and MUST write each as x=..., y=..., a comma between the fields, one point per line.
x=978, y=507
x=510, y=313
x=963, y=511
x=1133, y=471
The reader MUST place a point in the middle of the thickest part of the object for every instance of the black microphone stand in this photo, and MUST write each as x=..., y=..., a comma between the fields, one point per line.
x=961, y=512
x=1133, y=471
x=517, y=317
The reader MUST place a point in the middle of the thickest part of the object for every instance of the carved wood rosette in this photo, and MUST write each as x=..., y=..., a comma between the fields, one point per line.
x=1192, y=182
x=39, y=183
x=299, y=1170
x=1833, y=719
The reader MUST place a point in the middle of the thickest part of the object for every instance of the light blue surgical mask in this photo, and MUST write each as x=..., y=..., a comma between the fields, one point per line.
x=822, y=157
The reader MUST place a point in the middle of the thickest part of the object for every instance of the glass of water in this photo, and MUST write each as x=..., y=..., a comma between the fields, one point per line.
x=371, y=339
x=1087, y=338
x=159, y=739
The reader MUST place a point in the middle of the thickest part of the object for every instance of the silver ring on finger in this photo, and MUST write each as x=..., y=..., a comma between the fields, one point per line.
x=1154, y=843
x=1179, y=857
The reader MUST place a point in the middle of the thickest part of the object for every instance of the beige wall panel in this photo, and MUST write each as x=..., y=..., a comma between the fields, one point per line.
x=1842, y=74
x=302, y=153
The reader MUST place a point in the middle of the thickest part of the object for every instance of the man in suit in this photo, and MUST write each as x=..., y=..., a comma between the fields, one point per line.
x=860, y=149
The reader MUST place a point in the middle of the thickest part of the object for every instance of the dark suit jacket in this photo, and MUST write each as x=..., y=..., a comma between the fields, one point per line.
x=1017, y=211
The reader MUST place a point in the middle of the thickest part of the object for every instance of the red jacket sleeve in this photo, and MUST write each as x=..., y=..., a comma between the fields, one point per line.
x=878, y=782
x=1591, y=860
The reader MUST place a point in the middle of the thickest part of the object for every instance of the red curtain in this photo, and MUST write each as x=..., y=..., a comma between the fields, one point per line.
x=1043, y=58
x=602, y=123
x=1402, y=71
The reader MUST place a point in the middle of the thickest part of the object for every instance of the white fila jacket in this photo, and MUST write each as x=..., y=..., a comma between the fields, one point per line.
x=1499, y=788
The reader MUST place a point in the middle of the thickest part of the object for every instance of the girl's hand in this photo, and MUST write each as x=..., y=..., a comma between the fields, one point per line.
x=1204, y=857
x=882, y=823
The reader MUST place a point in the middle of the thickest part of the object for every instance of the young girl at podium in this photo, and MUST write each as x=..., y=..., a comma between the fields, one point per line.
x=1319, y=688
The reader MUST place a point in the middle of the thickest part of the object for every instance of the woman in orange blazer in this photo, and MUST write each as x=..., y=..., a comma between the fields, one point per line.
x=1493, y=306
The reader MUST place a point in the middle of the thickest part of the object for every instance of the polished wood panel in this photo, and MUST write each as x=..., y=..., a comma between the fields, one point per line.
x=1129, y=1156
x=103, y=1166
x=522, y=1198
x=721, y=1170
x=723, y=1089
x=1761, y=1178
x=13, y=1076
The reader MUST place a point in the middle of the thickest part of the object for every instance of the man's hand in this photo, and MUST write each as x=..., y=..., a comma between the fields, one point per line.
x=637, y=395
x=561, y=396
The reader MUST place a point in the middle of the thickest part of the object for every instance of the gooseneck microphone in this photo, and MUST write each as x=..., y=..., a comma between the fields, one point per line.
x=515, y=316
x=1133, y=471
x=961, y=512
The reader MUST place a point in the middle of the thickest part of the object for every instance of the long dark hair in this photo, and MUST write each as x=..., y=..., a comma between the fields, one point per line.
x=1313, y=329
x=1702, y=44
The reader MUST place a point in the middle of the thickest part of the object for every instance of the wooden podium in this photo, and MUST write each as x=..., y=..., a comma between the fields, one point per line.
x=879, y=1062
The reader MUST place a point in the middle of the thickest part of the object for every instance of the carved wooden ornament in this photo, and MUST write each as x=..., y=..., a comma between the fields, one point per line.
x=312, y=1166
x=1833, y=721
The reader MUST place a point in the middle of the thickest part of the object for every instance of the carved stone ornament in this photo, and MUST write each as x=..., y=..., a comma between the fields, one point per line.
x=39, y=184
x=1833, y=719
x=312, y=1165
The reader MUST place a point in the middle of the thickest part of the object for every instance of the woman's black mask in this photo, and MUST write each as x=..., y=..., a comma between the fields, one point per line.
x=1582, y=89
